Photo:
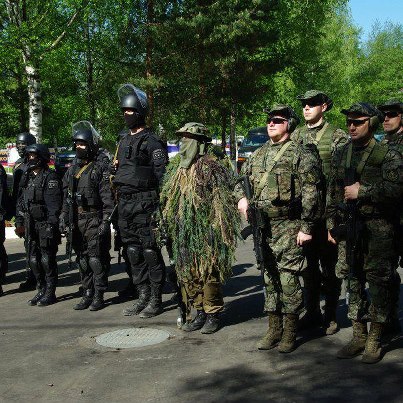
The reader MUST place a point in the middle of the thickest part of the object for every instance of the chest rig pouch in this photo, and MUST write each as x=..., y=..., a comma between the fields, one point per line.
x=87, y=192
x=137, y=163
x=34, y=198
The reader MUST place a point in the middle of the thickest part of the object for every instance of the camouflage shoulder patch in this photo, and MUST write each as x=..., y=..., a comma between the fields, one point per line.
x=391, y=175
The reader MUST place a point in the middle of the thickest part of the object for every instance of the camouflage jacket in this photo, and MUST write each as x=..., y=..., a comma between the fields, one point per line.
x=381, y=182
x=296, y=175
x=393, y=139
x=331, y=139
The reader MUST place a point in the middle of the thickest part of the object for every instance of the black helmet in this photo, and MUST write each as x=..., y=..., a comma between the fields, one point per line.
x=84, y=131
x=132, y=97
x=22, y=141
x=40, y=150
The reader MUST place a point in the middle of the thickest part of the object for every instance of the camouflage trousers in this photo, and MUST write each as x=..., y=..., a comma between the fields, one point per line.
x=285, y=260
x=376, y=265
x=203, y=294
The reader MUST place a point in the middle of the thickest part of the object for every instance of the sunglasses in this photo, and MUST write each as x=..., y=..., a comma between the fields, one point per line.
x=276, y=121
x=311, y=103
x=391, y=114
x=356, y=122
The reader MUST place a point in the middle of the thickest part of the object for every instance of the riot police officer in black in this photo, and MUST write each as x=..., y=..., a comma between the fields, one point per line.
x=23, y=140
x=4, y=206
x=88, y=193
x=37, y=216
x=140, y=166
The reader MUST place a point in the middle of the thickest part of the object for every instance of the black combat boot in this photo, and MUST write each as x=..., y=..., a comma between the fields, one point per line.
x=98, y=301
x=49, y=297
x=129, y=291
x=212, y=324
x=154, y=306
x=30, y=282
x=141, y=303
x=41, y=292
x=197, y=322
x=85, y=301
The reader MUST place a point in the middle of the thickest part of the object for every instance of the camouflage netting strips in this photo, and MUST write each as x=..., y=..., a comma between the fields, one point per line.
x=201, y=217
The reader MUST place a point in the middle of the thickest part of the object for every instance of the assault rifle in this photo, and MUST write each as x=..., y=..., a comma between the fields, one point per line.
x=164, y=240
x=70, y=227
x=350, y=231
x=259, y=227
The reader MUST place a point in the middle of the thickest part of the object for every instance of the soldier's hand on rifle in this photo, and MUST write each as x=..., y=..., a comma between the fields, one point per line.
x=303, y=238
x=330, y=238
x=351, y=192
x=104, y=228
x=243, y=207
x=20, y=231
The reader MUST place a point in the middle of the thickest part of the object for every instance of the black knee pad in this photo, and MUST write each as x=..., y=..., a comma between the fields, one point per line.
x=151, y=257
x=95, y=264
x=134, y=254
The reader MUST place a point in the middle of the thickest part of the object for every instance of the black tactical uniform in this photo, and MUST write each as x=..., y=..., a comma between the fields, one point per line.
x=23, y=140
x=4, y=203
x=38, y=208
x=87, y=211
x=141, y=161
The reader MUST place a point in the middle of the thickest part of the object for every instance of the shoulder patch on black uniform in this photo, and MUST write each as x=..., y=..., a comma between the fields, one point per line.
x=52, y=184
x=158, y=154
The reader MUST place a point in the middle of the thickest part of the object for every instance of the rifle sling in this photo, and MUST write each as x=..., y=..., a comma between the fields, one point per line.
x=271, y=165
x=364, y=159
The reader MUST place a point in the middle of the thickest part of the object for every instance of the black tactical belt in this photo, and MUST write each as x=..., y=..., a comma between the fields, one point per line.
x=139, y=196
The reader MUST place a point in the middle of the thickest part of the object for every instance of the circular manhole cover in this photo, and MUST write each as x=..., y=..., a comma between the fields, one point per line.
x=134, y=337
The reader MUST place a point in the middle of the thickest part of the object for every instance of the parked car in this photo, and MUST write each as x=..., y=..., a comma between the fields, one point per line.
x=63, y=161
x=256, y=138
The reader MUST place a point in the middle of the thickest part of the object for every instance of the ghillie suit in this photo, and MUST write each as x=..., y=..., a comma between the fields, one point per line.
x=202, y=223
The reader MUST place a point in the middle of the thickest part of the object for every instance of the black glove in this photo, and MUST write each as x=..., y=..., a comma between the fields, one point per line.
x=62, y=225
x=104, y=228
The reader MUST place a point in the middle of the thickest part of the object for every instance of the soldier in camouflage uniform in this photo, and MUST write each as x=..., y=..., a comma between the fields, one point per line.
x=327, y=138
x=376, y=192
x=285, y=177
x=393, y=128
x=202, y=222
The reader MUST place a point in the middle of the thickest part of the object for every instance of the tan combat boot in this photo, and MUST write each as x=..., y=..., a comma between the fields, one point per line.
x=288, y=341
x=357, y=344
x=373, y=348
x=274, y=332
x=330, y=323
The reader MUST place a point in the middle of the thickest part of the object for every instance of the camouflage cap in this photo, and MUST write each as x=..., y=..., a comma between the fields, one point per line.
x=392, y=104
x=282, y=110
x=364, y=109
x=195, y=131
x=320, y=96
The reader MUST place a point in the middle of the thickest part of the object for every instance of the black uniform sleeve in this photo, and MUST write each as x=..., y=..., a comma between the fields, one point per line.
x=3, y=193
x=52, y=194
x=159, y=157
x=105, y=191
x=20, y=209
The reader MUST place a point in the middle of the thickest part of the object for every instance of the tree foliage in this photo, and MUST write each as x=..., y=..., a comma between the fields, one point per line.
x=219, y=62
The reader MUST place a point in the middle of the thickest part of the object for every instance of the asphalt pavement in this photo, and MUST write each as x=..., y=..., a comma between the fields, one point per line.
x=50, y=354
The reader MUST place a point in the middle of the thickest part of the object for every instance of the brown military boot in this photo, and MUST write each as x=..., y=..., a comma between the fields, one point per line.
x=357, y=344
x=274, y=332
x=329, y=322
x=373, y=348
x=288, y=341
